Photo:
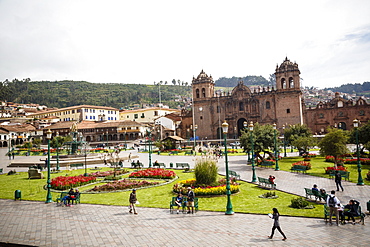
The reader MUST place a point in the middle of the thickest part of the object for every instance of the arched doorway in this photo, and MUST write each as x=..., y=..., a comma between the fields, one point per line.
x=240, y=124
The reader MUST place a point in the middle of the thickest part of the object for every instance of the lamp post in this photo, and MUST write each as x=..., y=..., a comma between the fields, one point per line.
x=56, y=139
x=150, y=150
x=229, y=207
x=195, y=131
x=276, y=150
x=284, y=140
x=245, y=124
x=359, y=180
x=254, y=178
x=85, y=152
x=48, y=195
x=187, y=136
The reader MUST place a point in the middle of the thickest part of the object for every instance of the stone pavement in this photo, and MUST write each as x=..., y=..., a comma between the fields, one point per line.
x=40, y=224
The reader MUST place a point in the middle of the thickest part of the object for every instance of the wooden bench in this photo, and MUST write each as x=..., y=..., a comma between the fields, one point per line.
x=266, y=164
x=137, y=165
x=76, y=165
x=361, y=215
x=299, y=168
x=234, y=174
x=63, y=194
x=265, y=182
x=316, y=194
x=182, y=165
x=173, y=153
x=159, y=165
x=344, y=174
x=35, y=174
x=183, y=205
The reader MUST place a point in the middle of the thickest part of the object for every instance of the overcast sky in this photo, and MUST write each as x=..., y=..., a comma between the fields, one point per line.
x=146, y=41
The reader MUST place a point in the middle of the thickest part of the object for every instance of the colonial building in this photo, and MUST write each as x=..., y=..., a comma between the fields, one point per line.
x=81, y=113
x=146, y=115
x=337, y=113
x=280, y=105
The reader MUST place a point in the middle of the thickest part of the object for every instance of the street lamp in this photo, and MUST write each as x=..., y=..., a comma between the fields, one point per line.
x=229, y=207
x=245, y=124
x=48, y=195
x=107, y=138
x=56, y=139
x=276, y=150
x=284, y=140
x=359, y=180
x=195, y=130
x=150, y=148
x=187, y=136
x=254, y=178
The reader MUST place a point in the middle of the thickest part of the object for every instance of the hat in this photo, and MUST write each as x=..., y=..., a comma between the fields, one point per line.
x=133, y=189
x=189, y=188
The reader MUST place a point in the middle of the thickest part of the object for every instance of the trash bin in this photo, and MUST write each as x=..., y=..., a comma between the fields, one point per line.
x=171, y=165
x=368, y=206
x=159, y=152
x=17, y=195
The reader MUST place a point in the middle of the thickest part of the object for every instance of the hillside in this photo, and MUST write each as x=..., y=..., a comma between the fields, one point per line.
x=359, y=89
x=69, y=93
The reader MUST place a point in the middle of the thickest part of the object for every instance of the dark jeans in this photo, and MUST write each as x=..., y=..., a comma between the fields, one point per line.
x=279, y=229
x=350, y=215
x=339, y=184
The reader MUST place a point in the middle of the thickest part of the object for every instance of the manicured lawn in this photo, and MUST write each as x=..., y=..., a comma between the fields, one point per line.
x=246, y=201
x=318, y=164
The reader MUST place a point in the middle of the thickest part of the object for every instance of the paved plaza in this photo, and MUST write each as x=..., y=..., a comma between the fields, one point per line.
x=40, y=224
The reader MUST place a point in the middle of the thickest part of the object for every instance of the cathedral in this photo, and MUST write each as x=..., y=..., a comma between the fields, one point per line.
x=282, y=105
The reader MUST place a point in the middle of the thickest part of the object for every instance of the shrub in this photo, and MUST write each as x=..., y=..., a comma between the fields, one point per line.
x=206, y=171
x=299, y=202
x=303, y=163
x=153, y=173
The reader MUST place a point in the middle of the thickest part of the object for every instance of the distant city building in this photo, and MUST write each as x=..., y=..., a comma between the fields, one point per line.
x=145, y=115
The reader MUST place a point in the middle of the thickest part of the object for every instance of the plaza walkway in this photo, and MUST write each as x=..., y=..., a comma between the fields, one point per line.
x=40, y=224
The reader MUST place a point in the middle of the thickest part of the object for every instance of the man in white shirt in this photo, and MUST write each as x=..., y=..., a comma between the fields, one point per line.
x=333, y=203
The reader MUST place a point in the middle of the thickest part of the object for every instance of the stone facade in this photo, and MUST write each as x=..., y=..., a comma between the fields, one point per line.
x=283, y=105
x=337, y=113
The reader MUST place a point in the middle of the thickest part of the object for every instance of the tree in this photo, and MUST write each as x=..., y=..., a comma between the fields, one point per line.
x=363, y=136
x=334, y=143
x=304, y=143
x=174, y=82
x=263, y=139
x=295, y=131
x=37, y=142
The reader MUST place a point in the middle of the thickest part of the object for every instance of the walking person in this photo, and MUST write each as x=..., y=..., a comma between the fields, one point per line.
x=333, y=203
x=338, y=180
x=275, y=216
x=133, y=201
x=190, y=200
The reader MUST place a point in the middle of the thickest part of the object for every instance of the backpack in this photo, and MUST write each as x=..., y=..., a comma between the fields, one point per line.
x=331, y=201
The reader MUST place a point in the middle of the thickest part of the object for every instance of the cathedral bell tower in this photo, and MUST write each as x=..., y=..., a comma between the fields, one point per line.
x=287, y=76
x=203, y=87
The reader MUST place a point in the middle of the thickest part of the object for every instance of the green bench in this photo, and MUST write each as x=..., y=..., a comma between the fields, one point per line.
x=173, y=153
x=173, y=205
x=159, y=165
x=361, y=215
x=266, y=164
x=188, y=153
x=344, y=174
x=299, y=168
x=316, y=194
x=234, y=174
x=183, y=165
x=63, y=194
x=76, y=165
x=266, y=183
x=137, y=165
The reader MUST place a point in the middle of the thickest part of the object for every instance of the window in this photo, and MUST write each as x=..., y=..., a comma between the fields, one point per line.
x=340, y=114
x=155, y=113
x=128, y=116
x=201, y=117
x=218, y=109
x=283, y=83
x=340, y=103
x=136, y=116
x=241, y=106
x=268, y=105
x=142, y=115
x=73, y=111
x=362, y=113
x=321, y=115
x=197, y=93
x=291, y=82
x=203, y=92
x=287, y=110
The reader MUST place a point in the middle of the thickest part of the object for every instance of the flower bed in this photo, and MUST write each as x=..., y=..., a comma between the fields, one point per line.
x=108, y=173
x=206, y=190
x=123, y=185
x=331, y=169
x=364, y=161
x=63, y=183
x=302, y=163
x=153, y=173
